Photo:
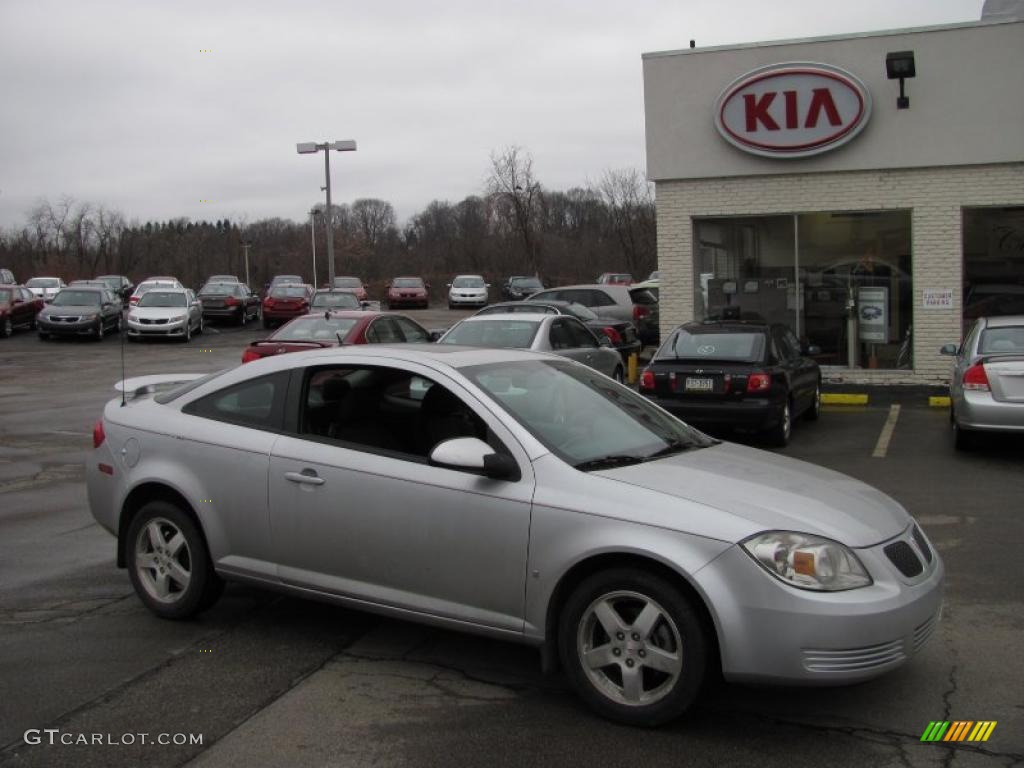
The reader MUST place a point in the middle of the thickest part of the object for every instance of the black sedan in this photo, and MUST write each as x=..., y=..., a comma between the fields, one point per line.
x=621, y=333
x=229, y=301
x=749, y=376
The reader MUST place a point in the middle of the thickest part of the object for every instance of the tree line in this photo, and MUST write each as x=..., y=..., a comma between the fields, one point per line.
x=513, y=226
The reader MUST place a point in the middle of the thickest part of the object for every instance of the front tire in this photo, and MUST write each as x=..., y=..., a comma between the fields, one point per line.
x=7, y=329
x=634, y=648
x=99, y=329
x=168, y=562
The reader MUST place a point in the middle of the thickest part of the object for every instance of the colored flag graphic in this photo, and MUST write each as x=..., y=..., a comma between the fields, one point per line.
x=959, y=730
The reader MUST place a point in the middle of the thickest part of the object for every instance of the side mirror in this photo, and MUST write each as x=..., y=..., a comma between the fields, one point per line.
x=950, y=350
x=436, y=335
x=473, y=454
x=605, y=341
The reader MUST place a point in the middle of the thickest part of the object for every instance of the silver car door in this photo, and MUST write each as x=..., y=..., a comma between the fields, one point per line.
x=358, y=512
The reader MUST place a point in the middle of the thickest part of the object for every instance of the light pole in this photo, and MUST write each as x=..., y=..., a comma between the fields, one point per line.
x=312, y=230
x=246, y=244
x=310, y=148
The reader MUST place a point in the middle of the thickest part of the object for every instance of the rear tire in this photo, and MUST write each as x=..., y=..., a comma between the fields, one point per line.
x=168, y=562
x=633, y=647
x=963, y=439
x=779, y=434
x=815, y=410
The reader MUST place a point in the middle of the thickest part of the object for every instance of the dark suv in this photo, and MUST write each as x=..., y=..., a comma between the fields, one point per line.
x=752, y=376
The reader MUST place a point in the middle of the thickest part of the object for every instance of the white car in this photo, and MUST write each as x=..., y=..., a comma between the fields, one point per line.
x=467, y=291
x=45, y=287
x=150, y=283
x=166, y=312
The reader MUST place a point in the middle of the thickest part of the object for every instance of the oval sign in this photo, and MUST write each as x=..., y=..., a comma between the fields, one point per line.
x=795, y=109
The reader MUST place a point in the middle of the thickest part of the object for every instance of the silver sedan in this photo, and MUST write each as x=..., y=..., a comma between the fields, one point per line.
x=987, y=385
x=166, y=312
x=559, y=334
x=516, y=495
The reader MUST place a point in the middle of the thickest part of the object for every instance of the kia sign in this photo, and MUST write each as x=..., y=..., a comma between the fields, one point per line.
x=792, y=110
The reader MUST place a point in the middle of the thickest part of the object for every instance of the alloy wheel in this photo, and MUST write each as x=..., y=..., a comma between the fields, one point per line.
x=163, y=560
x=630, y=648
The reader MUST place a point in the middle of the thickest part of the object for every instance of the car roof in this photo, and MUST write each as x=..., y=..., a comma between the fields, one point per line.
x=1004, y=321
x=452, y=355
x=729, y=326
x=173, y=289
x=520, y=316
x=458, y=276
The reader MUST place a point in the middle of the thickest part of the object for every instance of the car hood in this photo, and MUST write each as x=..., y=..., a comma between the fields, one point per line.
x=773, y=492
x=70, y=309
x=158, y=313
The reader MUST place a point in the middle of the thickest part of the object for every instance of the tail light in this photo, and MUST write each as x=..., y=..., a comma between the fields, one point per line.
x=268, y=302
x=249, y=355
x=758, y=382
x=647, y=380
x=976, y=379
x=613, y=336
x=98, y=435
x=133, y=300
x=640, y=312
x=231, y=301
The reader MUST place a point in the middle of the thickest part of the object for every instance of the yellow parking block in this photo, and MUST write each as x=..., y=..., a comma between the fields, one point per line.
x=837, y=398
x=940, y=401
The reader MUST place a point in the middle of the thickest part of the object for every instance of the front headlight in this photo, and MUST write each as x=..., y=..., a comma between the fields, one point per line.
x=133, y=317
x=177, y=318
x=89, y=317
x=809, y=562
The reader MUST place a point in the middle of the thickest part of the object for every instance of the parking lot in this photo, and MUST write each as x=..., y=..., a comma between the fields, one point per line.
x=272, y=680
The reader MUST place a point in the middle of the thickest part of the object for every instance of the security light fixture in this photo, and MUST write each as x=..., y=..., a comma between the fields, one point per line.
x=311, y=148
x=900, y=66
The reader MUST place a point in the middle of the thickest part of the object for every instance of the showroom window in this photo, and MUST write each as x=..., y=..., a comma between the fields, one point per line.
x=841, y=281
x=993, y=263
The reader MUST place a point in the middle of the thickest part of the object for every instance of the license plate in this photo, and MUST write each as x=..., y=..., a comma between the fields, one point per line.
x=699, y=385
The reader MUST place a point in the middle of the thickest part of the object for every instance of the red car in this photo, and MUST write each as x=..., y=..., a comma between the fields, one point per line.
x=615, y=278
x=18, y=308
x=285, y=302
x=332, y=329
x=408, y=292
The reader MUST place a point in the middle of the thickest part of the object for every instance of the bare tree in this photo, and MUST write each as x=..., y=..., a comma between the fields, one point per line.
x=512, y=183
x=627, y=195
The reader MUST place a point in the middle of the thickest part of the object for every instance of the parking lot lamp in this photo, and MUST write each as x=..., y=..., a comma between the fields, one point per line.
x=309, y=148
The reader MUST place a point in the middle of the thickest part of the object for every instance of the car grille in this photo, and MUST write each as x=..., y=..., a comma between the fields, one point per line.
x=153, y=321
x=854, y=659
x=925, y=630
x=64, y=318
x=903, y=557
x=922, y=544
x=211, y=304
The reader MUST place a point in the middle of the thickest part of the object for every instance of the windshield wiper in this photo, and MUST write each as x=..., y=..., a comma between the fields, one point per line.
x=608, y=462
x=674, y=446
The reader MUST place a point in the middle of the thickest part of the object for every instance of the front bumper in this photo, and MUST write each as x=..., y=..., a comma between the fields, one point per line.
x=980, y=411
x=467, y=301
x=280, y=315
x=771, y=632
x=138, y=328
x=67, y=328
x=407, y=301
x=219, y=312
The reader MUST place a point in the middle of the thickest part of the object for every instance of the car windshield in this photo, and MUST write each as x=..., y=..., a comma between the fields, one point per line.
x=288, y=292
x=220, y=288
x=742, y=347
x=583, y=417
x=527, y=284
x=113, y=282
x=583, y=313
x=146, y=287
x=344, y=300
x=315, y=329
x=162, y=299
x=43, y=282
x=506, y=334
x=407, y=282
x=77, y=299
x=5, y=295
x=1002, y=341
x=468, y=282
x=348, y=282
x=286, y=279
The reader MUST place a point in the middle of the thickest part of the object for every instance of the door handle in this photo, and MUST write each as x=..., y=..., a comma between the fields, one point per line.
x=306, y=477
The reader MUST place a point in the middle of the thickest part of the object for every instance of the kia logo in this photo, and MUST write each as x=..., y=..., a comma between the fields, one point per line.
x=792, y=110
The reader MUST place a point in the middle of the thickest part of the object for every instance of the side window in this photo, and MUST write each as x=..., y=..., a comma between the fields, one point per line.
x=551, y=296
x=785, y=352
x=972, y=338
x=560, y=337
x=383, y=330
x=385, y=410
x=411, y=331
x=257, y=403
x=582, y=337
x=793, y=342
x=597, y=298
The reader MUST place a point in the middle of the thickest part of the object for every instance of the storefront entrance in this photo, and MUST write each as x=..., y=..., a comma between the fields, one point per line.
x=993, y=263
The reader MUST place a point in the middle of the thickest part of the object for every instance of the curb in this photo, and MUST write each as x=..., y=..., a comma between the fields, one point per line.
x=861, y=398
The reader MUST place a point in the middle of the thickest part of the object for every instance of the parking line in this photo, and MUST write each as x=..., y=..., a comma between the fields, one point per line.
x=882, y=446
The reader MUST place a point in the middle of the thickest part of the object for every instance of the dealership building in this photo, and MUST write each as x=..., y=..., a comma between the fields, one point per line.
x=866, y=190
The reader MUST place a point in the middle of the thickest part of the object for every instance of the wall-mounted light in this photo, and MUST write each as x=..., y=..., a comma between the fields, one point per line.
x=900, y=66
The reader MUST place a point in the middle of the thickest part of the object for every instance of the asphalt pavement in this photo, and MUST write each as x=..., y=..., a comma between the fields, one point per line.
x=266, y=679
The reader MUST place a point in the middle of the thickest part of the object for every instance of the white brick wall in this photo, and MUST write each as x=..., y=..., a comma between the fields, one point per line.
x=935, y=197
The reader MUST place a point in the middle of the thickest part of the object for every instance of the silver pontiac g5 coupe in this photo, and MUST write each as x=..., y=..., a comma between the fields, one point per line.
x=519, y=495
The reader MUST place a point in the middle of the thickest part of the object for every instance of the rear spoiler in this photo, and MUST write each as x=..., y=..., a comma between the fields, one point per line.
x=145, y=385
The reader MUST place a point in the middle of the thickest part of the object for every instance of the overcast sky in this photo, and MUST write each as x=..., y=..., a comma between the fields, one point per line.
x=117, y=102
